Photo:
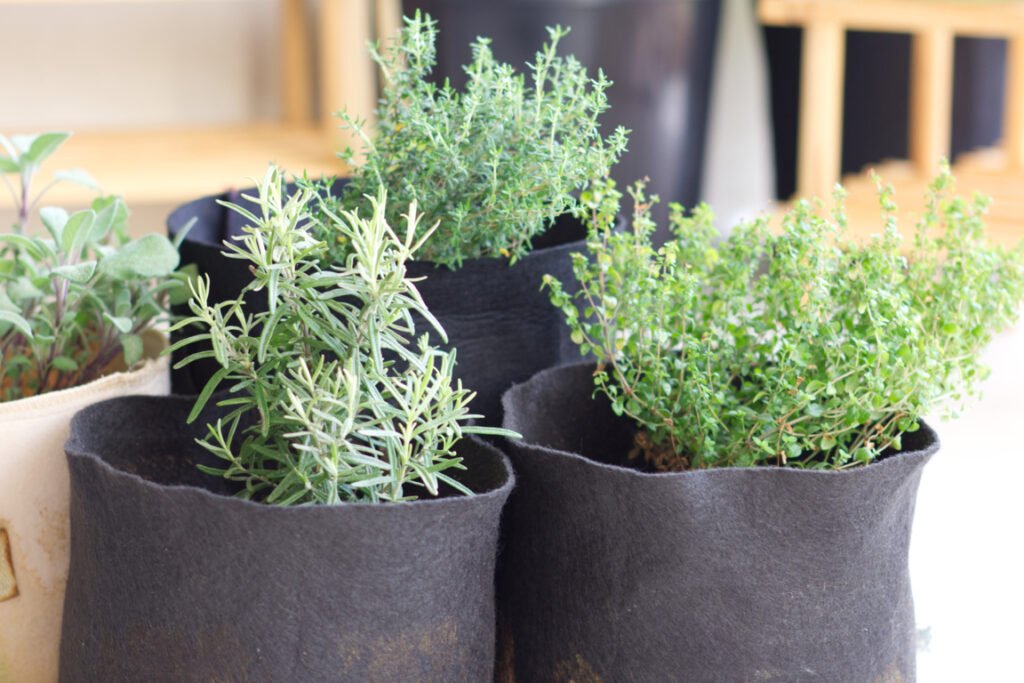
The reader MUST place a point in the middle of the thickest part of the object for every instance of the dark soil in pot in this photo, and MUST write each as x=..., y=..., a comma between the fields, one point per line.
x=608, y=573
x=503, y=326
x=171, y=579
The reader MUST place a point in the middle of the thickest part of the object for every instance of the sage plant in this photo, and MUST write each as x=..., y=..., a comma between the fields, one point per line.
x=76, y=292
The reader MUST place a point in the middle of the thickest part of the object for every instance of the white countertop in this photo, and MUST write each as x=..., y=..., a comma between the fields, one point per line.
x=967, y=551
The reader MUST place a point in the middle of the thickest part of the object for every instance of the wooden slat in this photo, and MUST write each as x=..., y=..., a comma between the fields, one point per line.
x=171, y=166
x=821, y=108
x=296, y=65
x=1004, y=223
x=30, y=3
x=347, y=76
x=388, y=18
x=931, y=98
x=1013, y=112
x=998, y=18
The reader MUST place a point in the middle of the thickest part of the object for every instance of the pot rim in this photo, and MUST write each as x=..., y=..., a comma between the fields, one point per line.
x=932, y=445
x=178, y=219
x=75, y=450
x=32, y=406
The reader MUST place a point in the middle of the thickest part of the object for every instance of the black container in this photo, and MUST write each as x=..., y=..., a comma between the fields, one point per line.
x=736, y=574
x=658, y=54
x=172, y=579
x=502, y=325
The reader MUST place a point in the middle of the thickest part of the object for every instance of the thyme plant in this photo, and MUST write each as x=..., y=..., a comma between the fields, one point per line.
x=495, y=163
x=79, y=294
x=333, y=397
x=800, y=347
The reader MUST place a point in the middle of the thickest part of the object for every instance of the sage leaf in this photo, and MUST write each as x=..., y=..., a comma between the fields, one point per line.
x=77, y=272
x=42, y=146
x=77, y=176
x=18, y=322
x=148, y=256
x=123, y=325
x=132, y=347
x=54, y=219
x=65, y=364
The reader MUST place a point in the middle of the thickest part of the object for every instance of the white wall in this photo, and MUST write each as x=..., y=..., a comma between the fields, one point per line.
x=86, y=65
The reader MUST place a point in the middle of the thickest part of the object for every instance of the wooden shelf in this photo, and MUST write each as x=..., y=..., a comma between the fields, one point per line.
x=163, y=167
x=984, y=18
x=106, y=2
x=934, y=27
x=173, y=166
x=984, y=171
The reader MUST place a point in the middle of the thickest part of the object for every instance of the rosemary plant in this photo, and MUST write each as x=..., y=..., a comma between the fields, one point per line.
x=79, y=295
x=495, y=163
x=797, y=348
x=333, y=397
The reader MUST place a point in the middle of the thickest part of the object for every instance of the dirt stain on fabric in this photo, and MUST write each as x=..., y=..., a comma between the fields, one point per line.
x=576, y=670
x=8, y=579
x=201, y=653
x=505, y=660
x=890, y=675
x=426, y=650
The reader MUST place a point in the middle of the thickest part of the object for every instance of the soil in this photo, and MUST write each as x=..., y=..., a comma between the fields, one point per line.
x=659, y=457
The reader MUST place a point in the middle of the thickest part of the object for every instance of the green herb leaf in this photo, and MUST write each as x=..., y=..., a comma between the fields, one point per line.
x=76, y=232
x=132, y=347
x=123, y=325
x=148, y=256
x=78, y=272
x=77, y=176
x=42, y=146
x=65, y=364
x=54, y=219
x=18, y=322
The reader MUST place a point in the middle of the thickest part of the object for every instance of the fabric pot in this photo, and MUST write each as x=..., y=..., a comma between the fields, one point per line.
x=173, y=579
x=34, y=512
x=609, y=573
x=503, y=326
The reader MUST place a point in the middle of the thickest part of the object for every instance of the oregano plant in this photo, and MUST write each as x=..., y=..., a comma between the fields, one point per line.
x=496, y=162
x=800, y=346
x=334, y=396
x=76, y=292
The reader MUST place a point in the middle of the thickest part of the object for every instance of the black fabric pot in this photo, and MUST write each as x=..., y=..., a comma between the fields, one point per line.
x=496, y=316
x=758, y=574
x=173, y=580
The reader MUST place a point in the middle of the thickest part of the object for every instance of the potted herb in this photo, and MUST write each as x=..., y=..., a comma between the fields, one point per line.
x=326, y=517
x=728, y=493
x=78, y=304
x=498, y=166
x=659, y=53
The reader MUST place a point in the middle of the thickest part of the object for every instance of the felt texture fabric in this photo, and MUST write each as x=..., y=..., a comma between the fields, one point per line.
x=34, y=512
x=172, y=579
x=502, y=325
x=610, y=573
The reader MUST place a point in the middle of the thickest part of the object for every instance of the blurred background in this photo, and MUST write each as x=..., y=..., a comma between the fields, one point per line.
x=172, y=99
x=736, y=102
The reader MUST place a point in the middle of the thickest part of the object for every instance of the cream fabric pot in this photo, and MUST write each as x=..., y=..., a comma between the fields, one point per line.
x=34, y=513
